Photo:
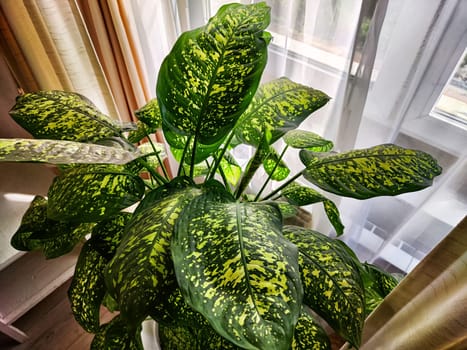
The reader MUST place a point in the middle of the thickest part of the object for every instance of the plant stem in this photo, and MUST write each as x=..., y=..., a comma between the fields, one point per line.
x=164, y=170
x=250, y=170
x=154, y=174
x=271, y=173
x=193, y=156
x=218, y=159
x=288, y=182
x=182, y=161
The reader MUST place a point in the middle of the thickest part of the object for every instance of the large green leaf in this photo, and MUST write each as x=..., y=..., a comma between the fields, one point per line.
x=141, y=274
x=211, y=74
x=307, y=140
x=377, y=171
x=92, y=193
x=301, y=195
x=61, y=115
x=234, y=266
x=38, y=232
x=309, y=334
x=62, y=152
x=280, y=105
x=331, y=281
x=87, y=288
x=116, y=335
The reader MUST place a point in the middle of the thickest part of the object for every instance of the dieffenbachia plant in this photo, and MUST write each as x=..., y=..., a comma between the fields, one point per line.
x=212, y=263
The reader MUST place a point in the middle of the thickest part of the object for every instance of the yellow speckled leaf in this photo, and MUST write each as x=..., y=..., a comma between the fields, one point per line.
x=331, y=280
x=192, y=337
x=87, y=288
x=383, y=170
x=62, y=152
x=117, y=335
x=141, y=273
x=307, y=140
x=234, y=267
x=212, y=72
x=38, y=232
x=61, y=115
x=301, y=195
x=279, y=106
x=309, y=334
x=92, y=193
x=274, y=167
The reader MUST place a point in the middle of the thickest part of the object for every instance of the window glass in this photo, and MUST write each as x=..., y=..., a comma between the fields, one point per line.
x=452, y=103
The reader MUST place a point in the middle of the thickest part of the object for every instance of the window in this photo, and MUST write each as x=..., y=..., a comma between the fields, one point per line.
x=452, y=103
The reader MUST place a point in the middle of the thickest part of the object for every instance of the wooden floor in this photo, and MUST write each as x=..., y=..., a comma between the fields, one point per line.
x=51, y=326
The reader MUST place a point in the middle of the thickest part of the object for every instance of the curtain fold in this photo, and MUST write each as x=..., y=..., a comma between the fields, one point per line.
x=53, y=51
x=427, y=310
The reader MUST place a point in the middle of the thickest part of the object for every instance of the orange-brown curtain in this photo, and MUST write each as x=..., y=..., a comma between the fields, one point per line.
x=111, y=28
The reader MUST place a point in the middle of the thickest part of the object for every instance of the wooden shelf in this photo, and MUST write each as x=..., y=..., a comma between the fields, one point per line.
x=28, y=281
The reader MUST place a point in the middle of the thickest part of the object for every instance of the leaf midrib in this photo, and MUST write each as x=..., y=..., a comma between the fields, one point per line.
x=242, y=254
x=272, y=97
x=324, y=161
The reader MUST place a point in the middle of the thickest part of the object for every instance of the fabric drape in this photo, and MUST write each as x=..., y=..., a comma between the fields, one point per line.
x=427, y=309
x=47, y=47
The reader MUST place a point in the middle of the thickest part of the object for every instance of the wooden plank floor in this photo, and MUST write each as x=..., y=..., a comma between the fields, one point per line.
x=51, y=326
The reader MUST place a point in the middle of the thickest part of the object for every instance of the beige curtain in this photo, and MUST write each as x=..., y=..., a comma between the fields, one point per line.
x=47, y=47
x=428, y=309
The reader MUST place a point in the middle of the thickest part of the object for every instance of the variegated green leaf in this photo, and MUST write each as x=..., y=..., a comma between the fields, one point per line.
x=178, y=143
x=275, y=167
x=301, y=195
x=307, y=140
x=68, y=236
x=38, y=232
x=378, y=284
x=150, y=114
x=92, y=193
x=383, y=170
x=61, y=115
x=174, y=311
x=309, y=334
x=234, y=267
x=107, y=234
x=287, y=210
x=280, y=105
x=211, y=74
x=87, y=288
x=34, y=219
x=384, y=282
x=116, y=335
x=192, y=337
x=62, y=152
x=142, y=130
x=141, y=273
x=110, y=303
x=231, y=169
x=331, y=280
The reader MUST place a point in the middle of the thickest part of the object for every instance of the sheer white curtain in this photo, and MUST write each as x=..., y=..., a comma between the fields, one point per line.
x=415, y=59
x=384, y=66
